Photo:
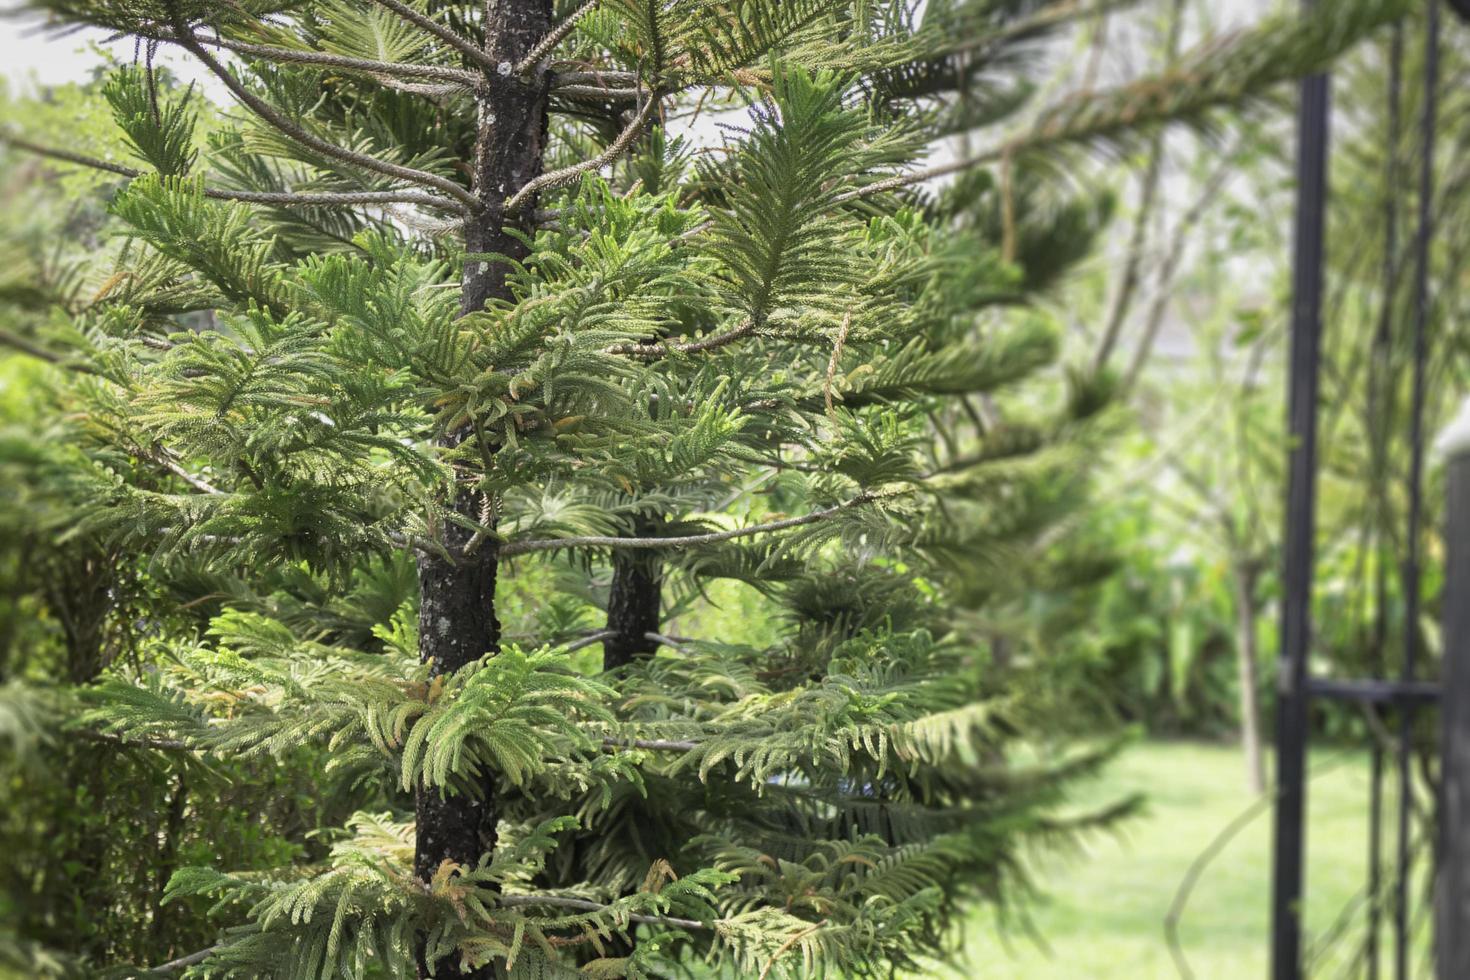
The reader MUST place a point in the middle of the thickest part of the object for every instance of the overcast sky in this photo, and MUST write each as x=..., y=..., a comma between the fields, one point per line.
x=30, y=58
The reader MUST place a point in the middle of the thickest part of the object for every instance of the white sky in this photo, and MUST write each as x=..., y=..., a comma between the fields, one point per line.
x=30, y=58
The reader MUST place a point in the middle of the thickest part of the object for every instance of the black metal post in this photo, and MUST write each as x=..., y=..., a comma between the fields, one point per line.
x=1380, y=389
x=1452, y=887
x=1292, y=692
x=1423, y=236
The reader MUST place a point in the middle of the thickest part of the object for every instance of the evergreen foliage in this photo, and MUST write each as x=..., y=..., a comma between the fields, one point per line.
x=445, y=293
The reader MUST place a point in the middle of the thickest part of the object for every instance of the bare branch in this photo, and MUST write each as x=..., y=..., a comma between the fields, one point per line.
x=552, y=39
x=184, y=962
x=1148, y=193
x=1167, y=269
x=566, y=175
x=460, y=44
x=290, y=129
x=588, y=641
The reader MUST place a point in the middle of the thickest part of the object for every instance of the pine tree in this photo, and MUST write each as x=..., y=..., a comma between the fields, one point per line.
x=460, y=298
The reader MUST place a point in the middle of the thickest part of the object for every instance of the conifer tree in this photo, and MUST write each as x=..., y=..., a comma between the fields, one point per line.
x=470, y=303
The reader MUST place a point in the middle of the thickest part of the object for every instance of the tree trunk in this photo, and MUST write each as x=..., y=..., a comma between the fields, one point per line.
x=457, y=622
x=634, y=605
x=1248, y=662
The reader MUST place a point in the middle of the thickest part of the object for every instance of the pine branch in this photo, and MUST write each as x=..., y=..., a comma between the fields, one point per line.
x=460, y=44
x=292, y=131
x=596, y=93
x=1215, y=76
x=652, y=744
x=553, y=38
x=1043, y=20
x=583, y=905
x=161, y=744
x=456, y=76
x=270, y=198
x=513, y=548
x=663, y=349
x=26, y=346
x=784, y=947
x=918, y=176
x=566, y=175
x=602, y=79
x=162, y=457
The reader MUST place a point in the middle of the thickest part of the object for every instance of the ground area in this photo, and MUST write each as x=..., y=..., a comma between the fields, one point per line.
x=1104, y=913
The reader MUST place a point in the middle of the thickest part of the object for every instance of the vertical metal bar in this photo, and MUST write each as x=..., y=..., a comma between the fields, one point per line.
x=1380, y=390
x=1375, y=855
x=1452, y=888
x=1423, y=236
x=1292, y=694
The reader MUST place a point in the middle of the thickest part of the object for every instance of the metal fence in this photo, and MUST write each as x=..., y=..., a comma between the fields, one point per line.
x=1400, y=698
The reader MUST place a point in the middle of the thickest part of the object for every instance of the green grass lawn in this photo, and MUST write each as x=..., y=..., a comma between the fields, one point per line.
x=1104, y=909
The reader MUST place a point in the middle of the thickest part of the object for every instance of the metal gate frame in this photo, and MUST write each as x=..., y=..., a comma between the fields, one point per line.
x=1296, y=687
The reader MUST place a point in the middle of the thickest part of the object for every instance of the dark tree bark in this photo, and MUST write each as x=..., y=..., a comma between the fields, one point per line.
x=457, y=623
x=81, y=596
x=633, y=608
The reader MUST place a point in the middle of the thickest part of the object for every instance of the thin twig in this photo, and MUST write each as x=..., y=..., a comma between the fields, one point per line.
x=1202, y=861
